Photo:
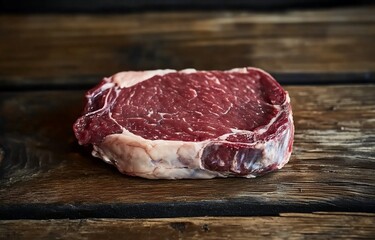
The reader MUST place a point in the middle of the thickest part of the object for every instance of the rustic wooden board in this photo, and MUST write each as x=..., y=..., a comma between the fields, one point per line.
x=287, y=226
x=45, y=174
x=45, y=49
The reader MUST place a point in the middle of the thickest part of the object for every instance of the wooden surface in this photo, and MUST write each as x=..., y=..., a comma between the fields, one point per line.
x=286, y=226
x=48, y=62
x=83, y=48
x=44, y=173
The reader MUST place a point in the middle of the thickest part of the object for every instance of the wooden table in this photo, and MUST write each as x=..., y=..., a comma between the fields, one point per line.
x=50, y=187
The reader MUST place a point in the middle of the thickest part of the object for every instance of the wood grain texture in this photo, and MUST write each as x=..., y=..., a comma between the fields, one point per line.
x=287, y=226
x=81, y=47
x=44, y=173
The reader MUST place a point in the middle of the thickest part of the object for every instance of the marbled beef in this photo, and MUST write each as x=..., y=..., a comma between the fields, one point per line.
x=189, y=124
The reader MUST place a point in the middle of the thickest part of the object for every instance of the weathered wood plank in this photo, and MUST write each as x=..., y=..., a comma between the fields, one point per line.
x=286, y=226
x=45, y=48
x=44, y=173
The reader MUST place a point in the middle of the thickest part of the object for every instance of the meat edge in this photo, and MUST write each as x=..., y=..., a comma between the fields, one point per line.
x=166, y=159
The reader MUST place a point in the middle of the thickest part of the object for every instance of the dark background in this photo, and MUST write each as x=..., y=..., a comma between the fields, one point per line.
x=115, y=6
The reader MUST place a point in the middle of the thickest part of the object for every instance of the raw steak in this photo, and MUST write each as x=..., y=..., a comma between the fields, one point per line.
x=189, y=124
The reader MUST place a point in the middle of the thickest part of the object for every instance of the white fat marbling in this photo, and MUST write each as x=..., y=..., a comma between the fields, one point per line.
x=130, y=78
x=166, y=159
x=134, y=155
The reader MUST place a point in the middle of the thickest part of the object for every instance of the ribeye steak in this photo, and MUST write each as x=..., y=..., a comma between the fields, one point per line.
x=189, y=124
